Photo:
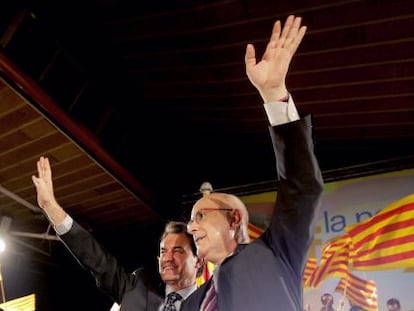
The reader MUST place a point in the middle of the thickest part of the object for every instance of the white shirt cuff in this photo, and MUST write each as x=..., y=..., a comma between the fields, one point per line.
x=65, y=226
x=281, y=112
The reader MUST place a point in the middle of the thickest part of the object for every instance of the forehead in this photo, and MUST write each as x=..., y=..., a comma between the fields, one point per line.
x=206, y=202
x=172, y=240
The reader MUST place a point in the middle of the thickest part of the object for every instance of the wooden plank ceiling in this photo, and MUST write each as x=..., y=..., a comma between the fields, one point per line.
x=86, y=189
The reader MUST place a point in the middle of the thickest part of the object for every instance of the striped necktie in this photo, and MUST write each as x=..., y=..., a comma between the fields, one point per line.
x=210, y=300
x=171, y=299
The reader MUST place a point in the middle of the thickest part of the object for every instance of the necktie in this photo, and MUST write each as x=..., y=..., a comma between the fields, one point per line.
x=171, y=299
x=210, y=300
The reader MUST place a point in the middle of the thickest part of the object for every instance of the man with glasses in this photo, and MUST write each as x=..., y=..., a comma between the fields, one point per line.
x=178, y=264
x=267, y=273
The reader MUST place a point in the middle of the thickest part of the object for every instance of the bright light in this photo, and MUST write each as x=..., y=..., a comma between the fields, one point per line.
x=2, y=245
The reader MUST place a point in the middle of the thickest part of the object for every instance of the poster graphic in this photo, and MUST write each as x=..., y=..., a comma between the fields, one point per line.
x=347, y=203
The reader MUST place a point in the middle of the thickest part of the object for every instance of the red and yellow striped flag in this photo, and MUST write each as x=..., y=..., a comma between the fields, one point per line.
x=207, y=272
x=254, y=231
x=334, y=261
x=310, y=267
x=386, y=240
x=360, y=292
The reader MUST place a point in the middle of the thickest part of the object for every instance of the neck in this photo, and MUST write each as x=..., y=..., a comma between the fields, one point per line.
x=217, y=260
x=177, y=287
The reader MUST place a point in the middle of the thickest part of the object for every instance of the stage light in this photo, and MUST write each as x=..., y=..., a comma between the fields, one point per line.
x=2, y=245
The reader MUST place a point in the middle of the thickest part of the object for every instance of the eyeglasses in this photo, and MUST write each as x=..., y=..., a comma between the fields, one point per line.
x=198, y=217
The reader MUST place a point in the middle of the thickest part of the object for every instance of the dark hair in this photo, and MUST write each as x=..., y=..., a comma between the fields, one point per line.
x=326, y=295
x=394, y=301
x=178, y=227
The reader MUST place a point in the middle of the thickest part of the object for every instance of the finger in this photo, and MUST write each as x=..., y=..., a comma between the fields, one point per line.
x=274, y=39
x=48, y=171
x=250, y=56
x=43, y=167
x=36, y=181
x=275, y=32
x=286, y=29
x=298, y=39
x=292, y=31
x=39, y=167
x=295, y=36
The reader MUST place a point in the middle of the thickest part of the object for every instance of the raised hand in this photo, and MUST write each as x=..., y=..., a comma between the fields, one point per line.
x=269, y=74
x=45, y=193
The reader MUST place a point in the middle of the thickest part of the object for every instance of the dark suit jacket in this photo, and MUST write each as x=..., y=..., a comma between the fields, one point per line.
x=267, y=273
x=136, y=291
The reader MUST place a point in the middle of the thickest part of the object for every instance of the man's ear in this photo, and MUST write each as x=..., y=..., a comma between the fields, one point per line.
x=199, y=262
x=236, y=219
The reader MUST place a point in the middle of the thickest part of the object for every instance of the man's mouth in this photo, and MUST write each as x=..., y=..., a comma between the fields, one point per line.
x=168, y=268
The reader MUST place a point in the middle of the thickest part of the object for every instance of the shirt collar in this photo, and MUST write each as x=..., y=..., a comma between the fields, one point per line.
x=185, y=292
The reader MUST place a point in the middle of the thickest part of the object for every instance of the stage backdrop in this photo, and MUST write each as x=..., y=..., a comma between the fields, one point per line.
x=345, y=203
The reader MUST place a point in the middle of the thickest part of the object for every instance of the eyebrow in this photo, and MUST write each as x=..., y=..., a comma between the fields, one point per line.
x=174, y=248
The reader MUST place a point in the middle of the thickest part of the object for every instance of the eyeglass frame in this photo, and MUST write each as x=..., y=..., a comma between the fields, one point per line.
x=201, y=213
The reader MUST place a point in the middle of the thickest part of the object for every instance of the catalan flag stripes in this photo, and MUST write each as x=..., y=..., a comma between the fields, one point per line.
x=207, y=272
x=334, y=261
x=386, y=240
x=359, y=291
x=254, y=232
x=311, y=266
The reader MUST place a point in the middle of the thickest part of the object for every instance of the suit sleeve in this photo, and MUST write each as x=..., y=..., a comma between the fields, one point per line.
x=110, y=276
x=292, y=226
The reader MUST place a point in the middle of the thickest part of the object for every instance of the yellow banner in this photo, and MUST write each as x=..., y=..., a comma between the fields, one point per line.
x=25, y=303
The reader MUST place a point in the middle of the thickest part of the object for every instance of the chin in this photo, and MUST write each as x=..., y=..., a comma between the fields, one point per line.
x=200, y=253
x=169, y=279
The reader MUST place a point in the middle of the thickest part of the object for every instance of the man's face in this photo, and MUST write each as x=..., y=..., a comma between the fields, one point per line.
x=393, y=307
x=327, y=300
x=211, y=229
x=177, y=265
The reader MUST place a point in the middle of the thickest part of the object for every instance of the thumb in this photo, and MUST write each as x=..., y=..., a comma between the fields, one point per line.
x=250, y=57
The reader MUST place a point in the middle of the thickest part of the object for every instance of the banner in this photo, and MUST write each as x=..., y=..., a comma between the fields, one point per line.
x=26, y=303
x=345, y=204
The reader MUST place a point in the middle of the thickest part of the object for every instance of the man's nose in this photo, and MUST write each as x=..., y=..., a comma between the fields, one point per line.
x=192, y=227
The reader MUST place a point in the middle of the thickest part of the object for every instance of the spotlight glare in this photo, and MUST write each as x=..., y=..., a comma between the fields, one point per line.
x=2, y=245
